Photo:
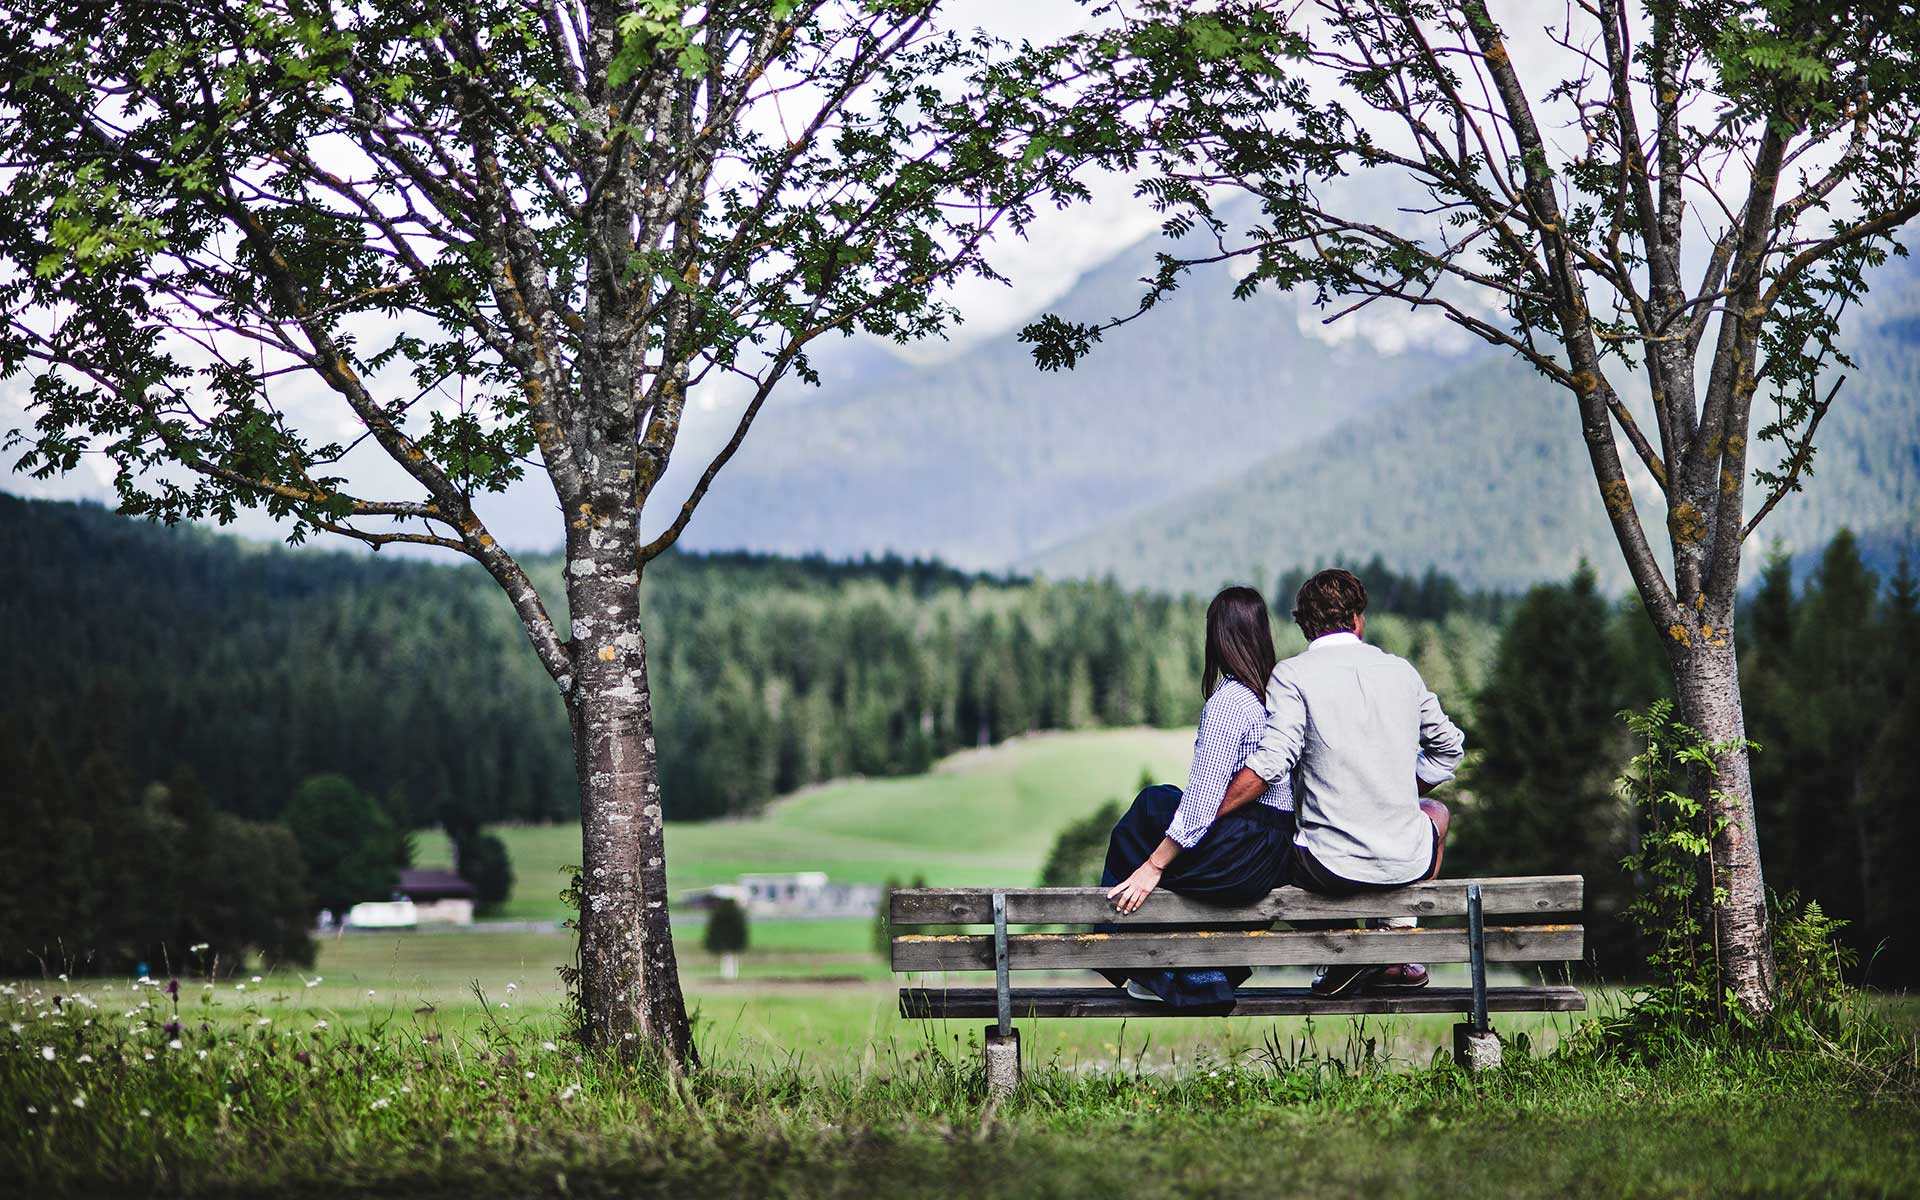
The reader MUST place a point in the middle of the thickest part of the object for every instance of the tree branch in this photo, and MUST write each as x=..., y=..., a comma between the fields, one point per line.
x=1802, y=457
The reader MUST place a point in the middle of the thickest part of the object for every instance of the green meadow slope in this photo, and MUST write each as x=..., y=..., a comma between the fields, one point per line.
x=980, y=817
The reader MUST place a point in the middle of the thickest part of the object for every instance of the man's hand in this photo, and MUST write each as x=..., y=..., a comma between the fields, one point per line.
x=1131, y=894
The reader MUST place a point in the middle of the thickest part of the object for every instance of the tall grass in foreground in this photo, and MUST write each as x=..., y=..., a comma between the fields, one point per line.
x=115, y=1090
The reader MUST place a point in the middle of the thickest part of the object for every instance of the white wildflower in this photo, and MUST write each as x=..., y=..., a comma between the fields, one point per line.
x=149, y=1056
x=203, y=1054
x=319, y=1024
x=15, y=1027
x=79, y=1101
x=571, y=1090
x=256, y=979
x=513, y=987
x=548, y=1046
x=382, y=1102
x=264, y=1021
x=529, y=1074
x=46, y=1052
x=239, y=987
x=176, y=1044
x=85, y=1058
x=146, y=1112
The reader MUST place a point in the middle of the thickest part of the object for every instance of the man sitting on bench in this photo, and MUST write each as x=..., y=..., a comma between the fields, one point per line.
x=1364, y=741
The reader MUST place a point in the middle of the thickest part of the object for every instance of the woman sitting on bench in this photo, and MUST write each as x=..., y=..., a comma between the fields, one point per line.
x=1178, y=838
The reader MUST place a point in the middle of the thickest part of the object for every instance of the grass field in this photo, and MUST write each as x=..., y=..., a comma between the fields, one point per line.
x=793, y=1001
x=432, y=1064
x=819, y=1092
x=982, y=817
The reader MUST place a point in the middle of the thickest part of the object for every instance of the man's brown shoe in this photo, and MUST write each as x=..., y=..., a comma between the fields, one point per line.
x=1400, y=978
x=1341, y=981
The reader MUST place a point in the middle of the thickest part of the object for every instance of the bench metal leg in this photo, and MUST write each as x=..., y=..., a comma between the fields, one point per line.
x=1475, y=1046
x=1001, y=1043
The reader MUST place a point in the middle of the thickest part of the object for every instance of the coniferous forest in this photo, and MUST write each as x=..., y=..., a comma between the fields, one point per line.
x=176, y=680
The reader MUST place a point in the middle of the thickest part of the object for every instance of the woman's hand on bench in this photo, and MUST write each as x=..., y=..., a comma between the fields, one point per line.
x=1131, y=894
x=1139, y=885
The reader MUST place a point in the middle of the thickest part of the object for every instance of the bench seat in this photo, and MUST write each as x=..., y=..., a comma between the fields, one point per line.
x=1108, y=1001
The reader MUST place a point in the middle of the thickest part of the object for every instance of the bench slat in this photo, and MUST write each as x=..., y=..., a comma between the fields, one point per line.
x=1250, y=1002
x=1250, y=948
x=1525, y=894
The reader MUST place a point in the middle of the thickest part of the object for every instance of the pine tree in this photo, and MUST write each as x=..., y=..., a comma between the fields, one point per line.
x=1838, y=698
x=1890, y=799
x=1540, y=798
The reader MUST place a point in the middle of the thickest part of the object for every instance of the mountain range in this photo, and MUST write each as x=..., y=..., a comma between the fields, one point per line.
x=985, y=461
x=1217, y=439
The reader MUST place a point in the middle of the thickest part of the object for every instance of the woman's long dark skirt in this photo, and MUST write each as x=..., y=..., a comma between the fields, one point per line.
x=1242, y=858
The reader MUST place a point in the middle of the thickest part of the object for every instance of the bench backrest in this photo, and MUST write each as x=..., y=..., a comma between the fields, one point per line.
x=1142, y=940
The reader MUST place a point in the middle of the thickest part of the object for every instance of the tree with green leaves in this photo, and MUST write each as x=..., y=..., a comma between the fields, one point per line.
x=362, y=265
x=348, y=842
x=482, y=860
x=1688, y=193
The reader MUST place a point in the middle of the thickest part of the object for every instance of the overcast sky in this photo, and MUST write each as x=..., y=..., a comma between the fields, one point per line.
x=1059, y=248
x=1038, y=268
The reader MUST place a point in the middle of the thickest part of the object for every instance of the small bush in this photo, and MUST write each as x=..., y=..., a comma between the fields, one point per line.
x=1080, y=850
x=726, y=927
x=884, y=930
x=1687, y=1001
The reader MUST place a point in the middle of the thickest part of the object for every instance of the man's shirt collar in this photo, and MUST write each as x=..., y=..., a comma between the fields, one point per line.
x=1337, y=638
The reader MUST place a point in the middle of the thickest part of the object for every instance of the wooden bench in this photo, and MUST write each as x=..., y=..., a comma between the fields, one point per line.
x=1525, y=905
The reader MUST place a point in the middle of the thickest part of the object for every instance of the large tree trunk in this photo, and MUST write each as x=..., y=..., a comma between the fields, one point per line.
x=1707, y=679
x=629, y=980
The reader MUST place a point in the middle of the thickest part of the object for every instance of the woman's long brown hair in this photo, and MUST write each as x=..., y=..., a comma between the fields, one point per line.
x=1239, y=640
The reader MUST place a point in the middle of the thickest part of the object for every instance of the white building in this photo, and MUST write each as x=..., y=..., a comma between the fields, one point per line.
x=382, y=914
x=423, y=896
x=794, y=894
x=439, y=897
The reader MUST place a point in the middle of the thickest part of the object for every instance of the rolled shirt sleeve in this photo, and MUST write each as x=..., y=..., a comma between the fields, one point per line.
x=1286, y=729
x=1216, y=757
x=1441, y=742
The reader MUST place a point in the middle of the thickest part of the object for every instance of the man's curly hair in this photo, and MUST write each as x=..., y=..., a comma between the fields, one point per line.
x=1329, y=603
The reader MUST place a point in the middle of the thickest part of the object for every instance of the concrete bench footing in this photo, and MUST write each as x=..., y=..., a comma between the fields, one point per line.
x=1475, y=1052
x=1003, y=1061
